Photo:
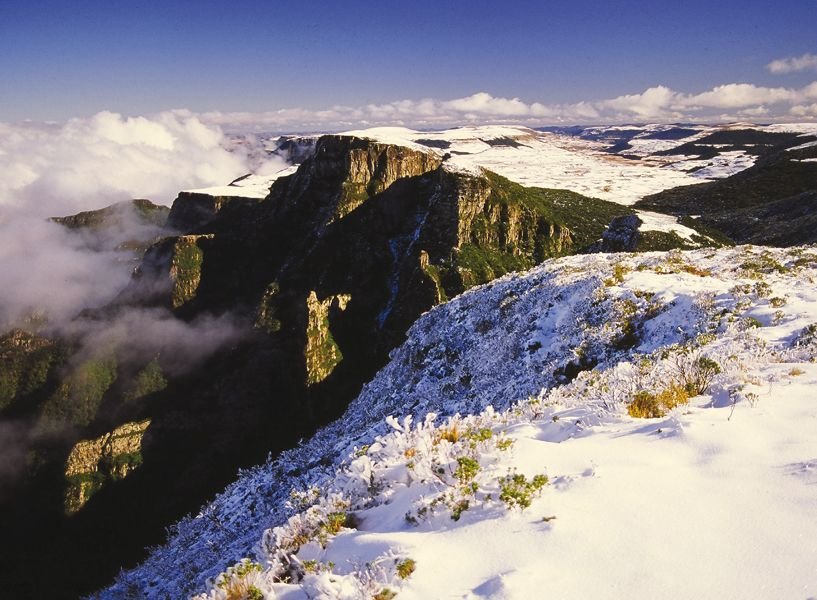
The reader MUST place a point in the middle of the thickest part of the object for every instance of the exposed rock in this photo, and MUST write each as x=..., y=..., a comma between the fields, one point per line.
x=192, y=211
x=621, y=235
x=389, y=227
x=321, y=353
x=170, y=272
x=295, y=149
x=127, y=226
x=109, y=457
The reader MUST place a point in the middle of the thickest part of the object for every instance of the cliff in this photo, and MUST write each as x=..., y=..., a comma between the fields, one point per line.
x=321, y=279
x=110, y=457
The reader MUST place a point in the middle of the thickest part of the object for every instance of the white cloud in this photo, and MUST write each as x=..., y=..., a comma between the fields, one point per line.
x=807, y=62
x=739, y=95
x=803, y=110
x=657, y=103
x=653, y=103
x=51, y=170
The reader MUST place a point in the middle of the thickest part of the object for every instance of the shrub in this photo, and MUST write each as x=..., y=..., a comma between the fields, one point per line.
x=467, y=469
x=236, y=584
x=405, y=568
x=646, y=405
x=619, y=272
x=516, y=490
x=694, y=373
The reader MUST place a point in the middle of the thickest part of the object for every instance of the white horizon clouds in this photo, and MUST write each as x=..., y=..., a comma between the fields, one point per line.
x=657, y=103
x=793, y=64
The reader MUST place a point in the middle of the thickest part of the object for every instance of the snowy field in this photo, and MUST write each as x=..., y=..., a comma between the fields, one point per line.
x=549, y=485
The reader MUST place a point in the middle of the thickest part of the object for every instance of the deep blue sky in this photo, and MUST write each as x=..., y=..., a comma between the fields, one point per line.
x=60, y=59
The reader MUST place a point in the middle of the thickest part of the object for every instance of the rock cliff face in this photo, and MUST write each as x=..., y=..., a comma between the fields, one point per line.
x=191, y=210
x=170, y=272
x=321, y=353
x=111, y=456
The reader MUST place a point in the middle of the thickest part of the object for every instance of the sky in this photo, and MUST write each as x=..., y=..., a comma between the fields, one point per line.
x=289, y=65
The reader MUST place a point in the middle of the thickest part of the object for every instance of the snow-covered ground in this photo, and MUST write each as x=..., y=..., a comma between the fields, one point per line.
x=256, y=185
x=539, y=159
x=715, y=498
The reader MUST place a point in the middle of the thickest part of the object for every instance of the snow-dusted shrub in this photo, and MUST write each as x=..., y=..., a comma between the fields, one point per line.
x=646, y=405
x=516, y=490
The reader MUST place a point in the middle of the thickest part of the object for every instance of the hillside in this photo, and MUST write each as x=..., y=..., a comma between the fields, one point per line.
x=771, y=202
x=544, y=368
x=254, y=314
x=257, y=316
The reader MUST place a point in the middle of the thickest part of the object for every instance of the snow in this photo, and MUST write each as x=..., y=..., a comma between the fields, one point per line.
x=652, y=221
x=539, y=159
x=714, y=499
x=804, y=146
x=249, y=186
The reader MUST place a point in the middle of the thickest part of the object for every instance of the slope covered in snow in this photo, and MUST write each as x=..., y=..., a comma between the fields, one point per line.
x=549, y=480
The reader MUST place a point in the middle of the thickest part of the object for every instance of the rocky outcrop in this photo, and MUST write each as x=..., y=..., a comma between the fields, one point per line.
x=350, y=170
x=170, y=272
x=620, y=236
x=192, y=211
x=110, y=457
x=321, y=353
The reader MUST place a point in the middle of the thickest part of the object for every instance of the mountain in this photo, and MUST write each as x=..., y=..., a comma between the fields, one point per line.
x=254, y=326
x=264, y=308
x=592, y=417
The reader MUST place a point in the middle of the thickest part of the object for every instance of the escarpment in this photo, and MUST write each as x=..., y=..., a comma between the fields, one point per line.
x=320, y=280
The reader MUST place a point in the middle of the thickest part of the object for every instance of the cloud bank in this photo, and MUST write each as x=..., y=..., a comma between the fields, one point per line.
x=807, y=62
x=54, y=170
x=728, y=102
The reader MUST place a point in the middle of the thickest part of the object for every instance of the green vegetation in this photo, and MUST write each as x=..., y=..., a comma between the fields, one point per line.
x=186, y=269
x=586, y=218
x=27, y=362
x=120, y=465
x=467, y=469
x=145, y=212
x=149, y=380
x=234, y=581
x=485, y=264
x=77, y=399
x=663, y=241
x=433, y=273
x=519, y=227
x=265, y=315
x=769, y=203
x=517, y=490
x=322, y=354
